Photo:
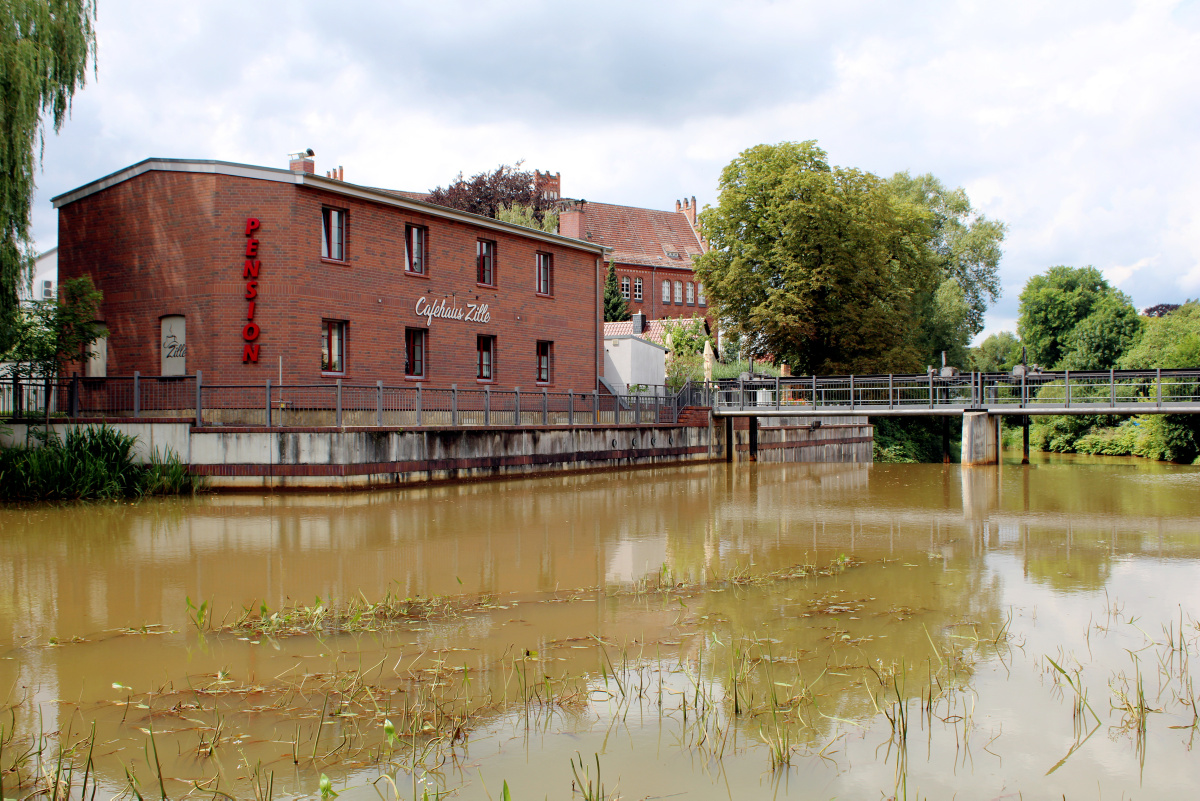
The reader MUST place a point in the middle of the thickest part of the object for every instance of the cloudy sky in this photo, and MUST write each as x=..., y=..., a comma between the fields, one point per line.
x=1076, y=123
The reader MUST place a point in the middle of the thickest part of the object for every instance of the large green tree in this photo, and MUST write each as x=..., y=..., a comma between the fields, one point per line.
x=822, y=267
x=999, y=353
x=963, y=245
x=1070, y=317
x=45, y=47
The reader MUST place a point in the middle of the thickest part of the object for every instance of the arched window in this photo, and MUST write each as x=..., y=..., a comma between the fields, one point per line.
x=666, y=295
x=625, y=287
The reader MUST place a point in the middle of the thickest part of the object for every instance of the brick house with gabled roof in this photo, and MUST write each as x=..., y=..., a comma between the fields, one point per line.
x=652, y=252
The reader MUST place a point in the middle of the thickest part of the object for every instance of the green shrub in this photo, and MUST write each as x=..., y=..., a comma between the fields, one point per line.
x=95, y=462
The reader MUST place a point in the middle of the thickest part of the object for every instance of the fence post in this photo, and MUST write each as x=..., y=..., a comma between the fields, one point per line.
x=931, y=390
x=570, y=407
x=1067, y=385
x=199, y=408
x=137, y=394
x=778, y=399
x=516, y=406
x=851, y=392
x=1024, y=390
x=596, y=405
x=1158, y=386
x=637, y=409
x=17, y=405
x=1112, y=387
x=814, y=378
x=339, y=403
x=268, y=403
x=545, y=407
x=74, y=403
x=741, y=394
x=487, y=405
x=454, y=404
x=419, y=405
x=379, y=402
x=891, y=385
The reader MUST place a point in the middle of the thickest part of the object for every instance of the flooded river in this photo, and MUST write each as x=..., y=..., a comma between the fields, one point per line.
x=700, y=632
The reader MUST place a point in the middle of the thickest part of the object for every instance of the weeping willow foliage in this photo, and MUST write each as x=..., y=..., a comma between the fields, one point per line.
x=45, y=48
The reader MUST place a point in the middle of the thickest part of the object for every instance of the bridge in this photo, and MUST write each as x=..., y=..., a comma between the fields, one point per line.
x=981, y=399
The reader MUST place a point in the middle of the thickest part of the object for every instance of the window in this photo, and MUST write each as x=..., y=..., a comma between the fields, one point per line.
x=679, y=292
x=666, y=291
x=333, y=234
x=414, y=352
x=545, y=274
x=625, y=288
x=545, y=361
x=333, y=346
x=485, y=348
x=485, y=257
x=691, y=293
x=415, y=249
x=637, y=289
x=700, y=294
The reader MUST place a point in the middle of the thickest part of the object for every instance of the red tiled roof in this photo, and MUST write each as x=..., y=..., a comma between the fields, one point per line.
x=656, y=330
x=641, y=236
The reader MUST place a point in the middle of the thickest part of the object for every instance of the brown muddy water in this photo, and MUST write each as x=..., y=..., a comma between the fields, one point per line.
x=702, y=632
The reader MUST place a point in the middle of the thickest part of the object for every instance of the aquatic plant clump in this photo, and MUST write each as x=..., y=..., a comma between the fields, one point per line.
x=93, y=463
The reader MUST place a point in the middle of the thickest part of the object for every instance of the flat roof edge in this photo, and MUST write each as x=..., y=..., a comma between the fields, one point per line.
x=277, y=175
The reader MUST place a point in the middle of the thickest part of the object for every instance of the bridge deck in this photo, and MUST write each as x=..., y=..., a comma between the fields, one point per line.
x=1116, y=392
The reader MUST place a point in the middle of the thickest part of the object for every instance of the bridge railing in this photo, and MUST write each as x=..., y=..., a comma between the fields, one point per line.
x=1066, y=389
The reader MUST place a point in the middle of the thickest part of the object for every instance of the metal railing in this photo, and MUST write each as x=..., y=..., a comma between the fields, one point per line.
x=1057, y=392
x=338, y=404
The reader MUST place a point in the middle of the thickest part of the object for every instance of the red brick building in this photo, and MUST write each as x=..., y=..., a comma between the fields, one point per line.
x=244, y=272
x=652, y=250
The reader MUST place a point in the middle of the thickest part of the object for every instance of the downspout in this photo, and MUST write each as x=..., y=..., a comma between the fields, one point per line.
x=596, y=321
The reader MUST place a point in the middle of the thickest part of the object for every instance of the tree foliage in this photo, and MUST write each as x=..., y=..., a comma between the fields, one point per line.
x=832, y=269
x=521, y=214
x=1071, y=317
x=616, y=310
x=999, y=353
x=45, y=46
x=51, y=335
x=964, y=246
x=1171, y=341
x=489, y=192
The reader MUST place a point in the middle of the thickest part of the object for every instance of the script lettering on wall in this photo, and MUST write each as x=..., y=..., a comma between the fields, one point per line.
x=174, y=345
x=442, y=310
x=251, y=330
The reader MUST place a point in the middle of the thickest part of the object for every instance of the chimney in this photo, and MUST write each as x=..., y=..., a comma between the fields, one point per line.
x=338, y=175
x=302, y=162
x=570, y=219
x=639, y=322
x=547, y=185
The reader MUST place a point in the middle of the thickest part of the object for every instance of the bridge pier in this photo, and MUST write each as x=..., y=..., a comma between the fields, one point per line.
x=980, y=438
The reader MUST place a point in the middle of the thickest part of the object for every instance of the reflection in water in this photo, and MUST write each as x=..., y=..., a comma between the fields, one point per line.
x=685, y=577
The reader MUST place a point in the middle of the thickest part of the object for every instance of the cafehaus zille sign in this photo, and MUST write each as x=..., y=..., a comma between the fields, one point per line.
x=441, y=310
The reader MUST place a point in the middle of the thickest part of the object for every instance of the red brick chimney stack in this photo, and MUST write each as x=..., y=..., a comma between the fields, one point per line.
x=688, y=209
x=303, y=162
x=547, y=185
x=338, y=175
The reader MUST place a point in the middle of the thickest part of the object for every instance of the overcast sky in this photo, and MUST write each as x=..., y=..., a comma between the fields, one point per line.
x=1076, y=123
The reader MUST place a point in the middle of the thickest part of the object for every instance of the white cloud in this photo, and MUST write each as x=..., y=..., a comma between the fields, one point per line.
x=1073, y=122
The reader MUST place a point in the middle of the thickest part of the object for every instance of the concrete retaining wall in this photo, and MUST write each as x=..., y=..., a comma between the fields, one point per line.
x=784, y=439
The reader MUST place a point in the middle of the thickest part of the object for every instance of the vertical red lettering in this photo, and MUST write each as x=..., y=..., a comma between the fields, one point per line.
x=251, y=289
x=250, y=353
x=250, y=311
x=252, y=225
x=250, y=332
x=251, y=268
x=252, y=248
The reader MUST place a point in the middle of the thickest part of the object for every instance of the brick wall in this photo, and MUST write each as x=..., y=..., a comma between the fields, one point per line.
x=167, y=242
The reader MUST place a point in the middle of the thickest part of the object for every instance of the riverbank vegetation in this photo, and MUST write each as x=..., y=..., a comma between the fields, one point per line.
x=93, y=463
